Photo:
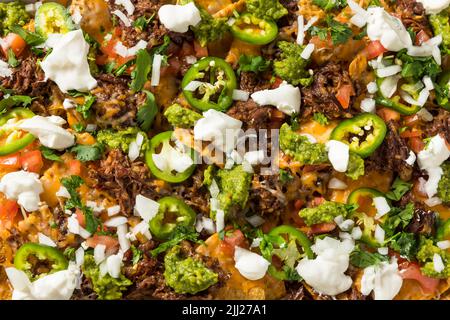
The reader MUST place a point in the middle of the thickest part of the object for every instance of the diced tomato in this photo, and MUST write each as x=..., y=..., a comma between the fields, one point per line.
x=388, y=114
x=322, y=227
x=80, y=217
x=374, y=49
x=231, y=240
x=411, y=270
x=416, y=144
x=421, y=37
x=411, y=133
x=411, y=120
x=111, y=244
x=8, y=210
x=15, y=42
x=200, y=51
x=74, y=167
x=32, y=161
x=10, y=162
x=277, y=83
x=343, y=95
x=299, y=204
x=318, y=201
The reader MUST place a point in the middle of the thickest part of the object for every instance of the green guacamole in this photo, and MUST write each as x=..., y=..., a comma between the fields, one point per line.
x=234, y=185
x=119, y=139
x=181, y=117
x=187, y=275
x=291, y=66
x=12, y=13
x=440, y=25
x=325, y=212
x=106, y=287
x=425, y=255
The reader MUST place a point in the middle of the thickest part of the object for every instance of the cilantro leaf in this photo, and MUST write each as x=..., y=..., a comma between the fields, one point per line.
x=363, y=259
x=143, y=67
x=328, y=5
x=13, y=101
x=181, y=233
x=404, y=243
x=31, y=38
x=398, y=218
x=398, y=189
x=12, y=61
x=85, y=108
x=340, y=32
x=142, y=22
x=92, y=222
x=285, y=176
x=147, y=112
x=50, y=154
x=72, y=183
x=137, y=254
x=88, y=152
x=252, y=64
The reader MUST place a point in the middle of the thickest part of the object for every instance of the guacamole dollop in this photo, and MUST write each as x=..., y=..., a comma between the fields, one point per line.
x=426, y=252
x=444, y=183
x=234, y=185
x=325, y=212
x=106, y=287
x=119, y=139
x=11, y=14
x=291, y=66
x=181, y=117
x=187, y=275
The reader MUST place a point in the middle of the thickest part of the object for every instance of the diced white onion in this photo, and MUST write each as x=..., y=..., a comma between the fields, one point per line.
x=113, y=210
x=444, y=245
x=220, y=220
x=389, y=85
x=124, y=242
x=337, y=184
x=384, y=250
x=428, y=83
x=425, y=115
x=43, y=239
x=300, y=30
x=240, y=95
x=368, y=105
x=306, y=53
x=255, y=220
x=388, y=71
x=122, y=17
x=116, y=221
x=411, y=158
x=434, y=201
x=372, y=87
x=382, y=206
x=99, y=253
x=156, y=69
x=79, y=256
x=379, y=234
x=193, y=85
x=438, y=264
x=356, y=233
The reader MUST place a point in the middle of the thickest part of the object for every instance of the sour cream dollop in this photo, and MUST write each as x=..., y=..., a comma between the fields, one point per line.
x=49, y=131
x=67, y=64
x=178, y=18
x=24, y=187
x=434, y=6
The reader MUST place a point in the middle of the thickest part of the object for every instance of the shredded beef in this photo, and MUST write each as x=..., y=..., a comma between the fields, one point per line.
x=251, y=115
x=122, y=179
x=193, y=193
x=148, y=275
x=153, y=33
x=27, y=78
x=412, y=14
x=423, y=222
x=292, y=7
x=440, y=125
x=295, y=291
x=320, y=96
x=391, y=155
x=116, y=105
x=266, y=196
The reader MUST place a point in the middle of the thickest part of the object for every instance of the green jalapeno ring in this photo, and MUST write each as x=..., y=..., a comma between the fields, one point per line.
x=293, y=233
x=395, y=104
x=52, y=17
x=217, y=68
x=443, y=232
x=42, y=253
x=366, y=126
x=171, y=208
x=155, y=142
x=363, y=192
x=254, y=30
x=17, y=144
x=444, y=81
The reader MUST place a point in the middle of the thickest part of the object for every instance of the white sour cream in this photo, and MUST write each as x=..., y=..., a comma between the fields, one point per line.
x=178, y=18
x=67, y=64
x=24, y=187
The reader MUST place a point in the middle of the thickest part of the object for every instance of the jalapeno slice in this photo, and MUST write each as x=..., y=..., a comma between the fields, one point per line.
x=282, y=236
x=363, y=133
x=174, y=177
x=11, y=139
x=37, y=259
x=254, y=30
x=51, y=17
x=172, y=213
x=356, y=195
x=217, y=82
x=444, y=82
x=395, y=104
